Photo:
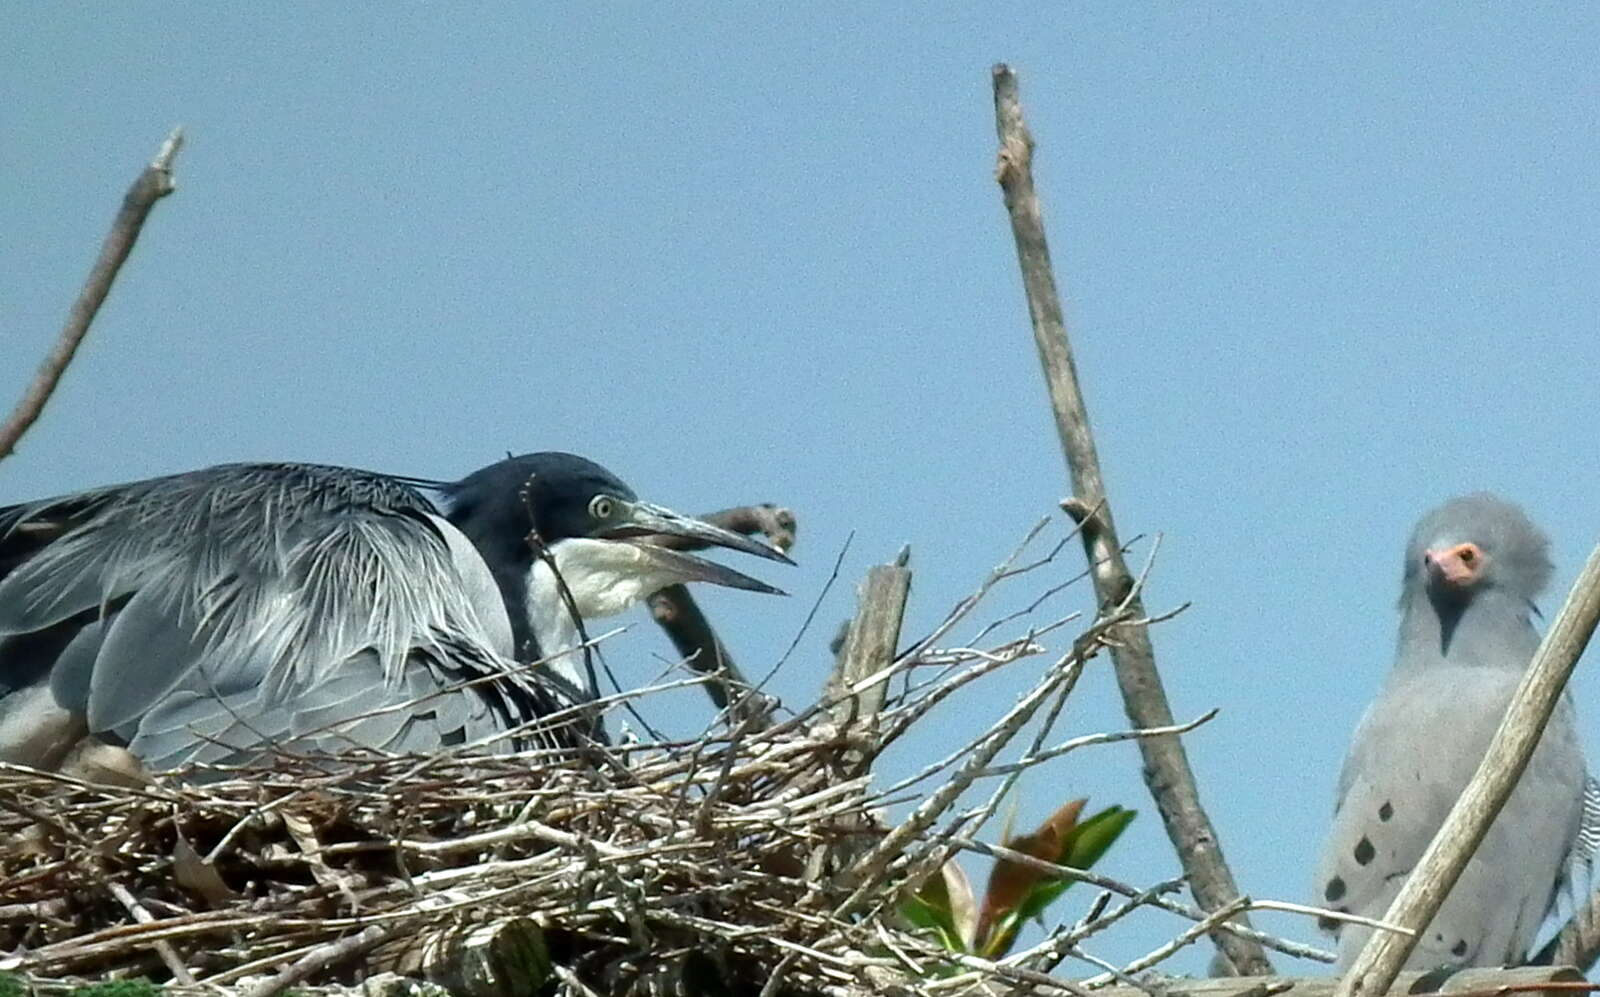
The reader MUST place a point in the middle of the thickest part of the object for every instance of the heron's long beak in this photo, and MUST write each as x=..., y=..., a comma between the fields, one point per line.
x=644, y=520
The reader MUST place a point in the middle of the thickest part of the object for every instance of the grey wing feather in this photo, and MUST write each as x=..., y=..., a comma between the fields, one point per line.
x=73, y=669
x=209, y=613
x=1413, y=753
x=1580, y=863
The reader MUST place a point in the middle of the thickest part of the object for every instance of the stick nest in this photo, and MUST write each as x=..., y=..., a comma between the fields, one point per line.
x=751, y=860
x=651, y=861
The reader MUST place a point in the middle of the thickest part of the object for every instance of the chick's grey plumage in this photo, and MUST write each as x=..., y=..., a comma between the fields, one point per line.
x=207, y=615
x=1473, y=567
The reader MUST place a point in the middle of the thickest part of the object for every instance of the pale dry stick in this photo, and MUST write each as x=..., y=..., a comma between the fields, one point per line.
x=901, y=718
x=865, y=872
x=1087, y=740
x=952, y=660
x=1284, y=945
x=1086, y=646
x=1015, y=974
x=779, y=971
x=180, y=972
x=1033, y=606
x=954, y=683
x=1108, y=968
x=1048, y=954
x=570, y=980
x=153, y=183
x=323, y=957
x=940, y=849
x=1167, y=950
x=24, y=774
x=36, y=910
x=870, y=644
x=1000, y=573
x=1166, y=765
x=1324, y=913
x=1380, y=961
x=260, y=813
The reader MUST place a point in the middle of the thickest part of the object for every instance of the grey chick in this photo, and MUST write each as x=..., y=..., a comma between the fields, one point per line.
x=1472, y=569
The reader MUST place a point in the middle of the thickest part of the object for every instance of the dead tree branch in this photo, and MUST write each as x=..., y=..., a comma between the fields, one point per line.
x=1166, y=765
x=869, y=648
x=676, y=612
x=152, y=184
x=1518, y=735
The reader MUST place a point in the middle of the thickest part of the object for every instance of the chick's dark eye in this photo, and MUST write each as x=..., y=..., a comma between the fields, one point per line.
x=601, y=507
x=1468, y=555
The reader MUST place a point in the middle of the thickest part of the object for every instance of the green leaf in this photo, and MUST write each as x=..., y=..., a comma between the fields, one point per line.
x=1080, y=847
x=944, y=904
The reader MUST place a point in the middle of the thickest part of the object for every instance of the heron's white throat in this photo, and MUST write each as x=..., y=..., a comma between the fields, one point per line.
x=605, y=577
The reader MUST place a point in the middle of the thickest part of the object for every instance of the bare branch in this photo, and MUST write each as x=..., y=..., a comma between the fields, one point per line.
x=1166, y=765
x=1440, y=866
x=676, y=612
x=152, y=184
x=322, y=957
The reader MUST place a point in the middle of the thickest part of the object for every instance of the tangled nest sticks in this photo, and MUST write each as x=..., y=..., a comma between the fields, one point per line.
x=754, y=857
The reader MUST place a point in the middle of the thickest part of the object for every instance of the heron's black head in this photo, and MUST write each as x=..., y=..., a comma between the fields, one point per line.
x=559, y=495
x=597, y=525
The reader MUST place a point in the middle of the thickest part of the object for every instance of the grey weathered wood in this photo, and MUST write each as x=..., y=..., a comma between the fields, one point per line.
x=865, y=647
x=1562, y=981
x=323, y=958
x=1481, y=980
x=870, y=643
x=152, y=184
x=1518, y=735
x=1166, y=764
x=676, y=612
x=506, y=958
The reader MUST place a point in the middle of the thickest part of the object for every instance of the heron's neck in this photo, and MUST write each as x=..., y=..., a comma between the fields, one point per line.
x=604, y=578
x=1492, y=630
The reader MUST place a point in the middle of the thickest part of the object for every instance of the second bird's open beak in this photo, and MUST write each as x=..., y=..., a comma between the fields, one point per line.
x=644, y=520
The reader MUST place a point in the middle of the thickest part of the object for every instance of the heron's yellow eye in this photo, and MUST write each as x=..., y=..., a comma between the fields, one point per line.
x=601, y=507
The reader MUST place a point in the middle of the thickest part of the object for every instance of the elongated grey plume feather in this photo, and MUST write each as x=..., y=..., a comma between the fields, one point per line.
x=1465, y=640
x=204, y=616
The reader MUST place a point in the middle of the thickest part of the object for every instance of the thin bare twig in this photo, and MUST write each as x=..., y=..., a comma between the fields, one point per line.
x=180, y=972
x=153, y=183
x=1166, y=765
x=322, y=957
x=675, y=611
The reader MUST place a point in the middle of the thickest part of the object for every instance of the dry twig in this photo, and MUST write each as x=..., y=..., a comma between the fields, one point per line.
x=675, y=610
x=683, y=850
x=152, y=184
x=1166, y=765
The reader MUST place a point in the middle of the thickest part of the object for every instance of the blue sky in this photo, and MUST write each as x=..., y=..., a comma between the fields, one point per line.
x=1323, y=268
